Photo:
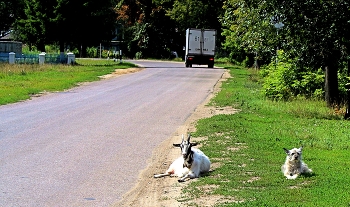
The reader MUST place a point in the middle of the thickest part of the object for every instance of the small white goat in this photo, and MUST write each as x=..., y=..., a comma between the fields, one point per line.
x=294, y=165
x=190, y=164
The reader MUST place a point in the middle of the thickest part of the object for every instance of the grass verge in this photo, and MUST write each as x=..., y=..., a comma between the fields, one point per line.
x=21, y=81
x=247, y=149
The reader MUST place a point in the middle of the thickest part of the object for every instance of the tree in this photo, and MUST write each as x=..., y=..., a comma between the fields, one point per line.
x=314, y=33
x=201, y=14
x=34, y=24
x=154, y=28
x=78, y=23
x=162, y=35
x=9, y=10
x=149, y=32
x=247, y=32
x=83, y=23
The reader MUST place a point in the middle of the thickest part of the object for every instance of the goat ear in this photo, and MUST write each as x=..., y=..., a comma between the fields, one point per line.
x=176, y=145
x=287, y=151
x=194, y=144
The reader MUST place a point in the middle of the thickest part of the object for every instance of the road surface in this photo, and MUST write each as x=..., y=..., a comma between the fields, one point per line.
x=86, y=146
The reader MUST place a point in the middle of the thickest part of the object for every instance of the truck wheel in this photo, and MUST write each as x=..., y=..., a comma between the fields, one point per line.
x=210, y=65
x=187, y=65
x=190, y=65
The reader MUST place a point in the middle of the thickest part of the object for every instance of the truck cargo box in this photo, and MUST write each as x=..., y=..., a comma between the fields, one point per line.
x=200, y=47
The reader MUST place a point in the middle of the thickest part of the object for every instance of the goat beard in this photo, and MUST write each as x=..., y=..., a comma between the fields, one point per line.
x=188, y=160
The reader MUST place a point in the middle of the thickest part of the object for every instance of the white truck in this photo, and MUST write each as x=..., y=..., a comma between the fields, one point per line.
x=200, y=47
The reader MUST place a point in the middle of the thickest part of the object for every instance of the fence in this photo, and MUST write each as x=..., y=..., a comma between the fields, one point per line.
x=4, y=57
x=27, y=59
x=41, y=58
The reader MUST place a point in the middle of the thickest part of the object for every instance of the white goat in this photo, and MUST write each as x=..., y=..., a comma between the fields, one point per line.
x=190, y=164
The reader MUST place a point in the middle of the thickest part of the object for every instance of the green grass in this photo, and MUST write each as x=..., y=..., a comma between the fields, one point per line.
x=247, y=147
x=20, y=82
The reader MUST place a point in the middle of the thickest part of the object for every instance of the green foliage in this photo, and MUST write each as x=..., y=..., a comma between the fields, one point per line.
x=195, y=13
x=155, y=28
x=63, y=23
x=314, y=35
x=138, y=55
x=284, y=80
x=91, y=52
x=140, y=38
x=246, y=150
x=51, y=49
x=34, y=24
x=236, y=52
x=247, y=32
x=8, y=12
x=344, y=80
x=29, y=51
x=149, y=31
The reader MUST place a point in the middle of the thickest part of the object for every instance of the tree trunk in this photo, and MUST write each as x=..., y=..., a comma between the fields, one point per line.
x=347, y=86
x=331, y=83
x=83, y=50
x=41, y=47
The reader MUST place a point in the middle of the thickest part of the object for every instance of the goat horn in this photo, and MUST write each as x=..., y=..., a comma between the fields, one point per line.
x=189, y=137
x=182, y=137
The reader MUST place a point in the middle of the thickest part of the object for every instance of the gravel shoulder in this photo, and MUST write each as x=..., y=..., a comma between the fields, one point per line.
x=166, y=191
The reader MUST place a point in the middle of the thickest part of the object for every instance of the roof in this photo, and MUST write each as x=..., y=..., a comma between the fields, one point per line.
x=8, y=37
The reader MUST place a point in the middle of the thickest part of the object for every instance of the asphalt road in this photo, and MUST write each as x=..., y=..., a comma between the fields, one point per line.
x=86, y=146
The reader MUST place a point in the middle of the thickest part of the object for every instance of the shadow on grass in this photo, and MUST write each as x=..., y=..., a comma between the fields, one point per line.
x=308, y=175
x=207, y=174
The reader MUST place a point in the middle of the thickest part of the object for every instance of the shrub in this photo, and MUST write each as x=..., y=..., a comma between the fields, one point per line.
x=284, y=80
x=91, y=52
x=138, y=55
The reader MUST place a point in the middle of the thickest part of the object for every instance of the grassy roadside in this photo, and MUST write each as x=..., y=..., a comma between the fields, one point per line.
x=20, y=82
x=247, y=148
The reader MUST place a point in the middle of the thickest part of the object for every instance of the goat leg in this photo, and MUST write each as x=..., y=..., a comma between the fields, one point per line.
x=162, y=175
x=183, y=179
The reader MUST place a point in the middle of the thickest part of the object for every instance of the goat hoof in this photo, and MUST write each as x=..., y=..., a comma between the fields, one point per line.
x=181, y=181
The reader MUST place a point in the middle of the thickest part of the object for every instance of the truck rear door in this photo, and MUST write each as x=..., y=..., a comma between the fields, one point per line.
x=194, y=42
x=208, y=47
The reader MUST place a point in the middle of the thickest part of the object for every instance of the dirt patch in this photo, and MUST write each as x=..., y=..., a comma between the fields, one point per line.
x=299, y=185
x=119, y=72
x=166, y=191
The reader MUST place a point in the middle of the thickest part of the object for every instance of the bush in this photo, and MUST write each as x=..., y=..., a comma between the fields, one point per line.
x=343, y=81
x=138, y=55
x=91, y=52
x=284, y=80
